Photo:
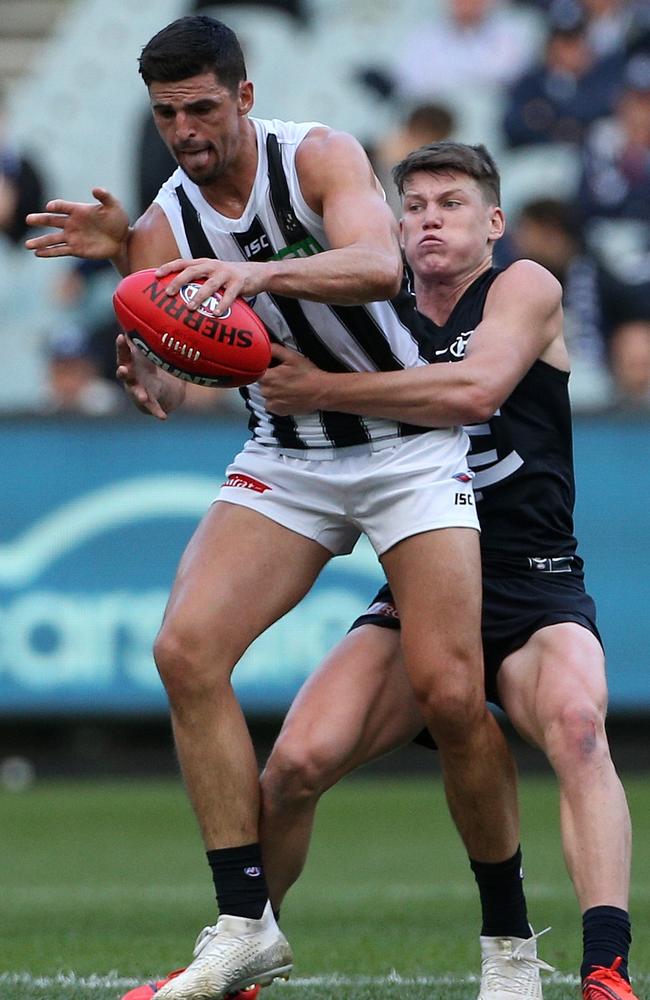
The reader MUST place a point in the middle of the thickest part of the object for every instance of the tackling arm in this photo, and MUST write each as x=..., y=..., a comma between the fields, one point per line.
x=522, y=322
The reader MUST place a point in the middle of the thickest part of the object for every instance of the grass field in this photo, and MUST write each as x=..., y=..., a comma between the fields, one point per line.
x=104, y=885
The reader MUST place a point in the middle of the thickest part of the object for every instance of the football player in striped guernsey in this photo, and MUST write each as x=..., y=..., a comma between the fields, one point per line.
x=291, y=217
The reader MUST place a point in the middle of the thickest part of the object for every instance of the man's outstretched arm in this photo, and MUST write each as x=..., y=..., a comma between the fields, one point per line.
x=100, y=230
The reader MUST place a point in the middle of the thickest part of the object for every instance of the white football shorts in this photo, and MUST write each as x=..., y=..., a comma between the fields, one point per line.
x=415, y=484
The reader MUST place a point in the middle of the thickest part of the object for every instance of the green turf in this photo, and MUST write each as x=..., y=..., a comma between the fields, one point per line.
x=105, y=884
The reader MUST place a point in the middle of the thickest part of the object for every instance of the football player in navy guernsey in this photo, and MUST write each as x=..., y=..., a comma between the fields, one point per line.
x=291, y=216
x=543, y=656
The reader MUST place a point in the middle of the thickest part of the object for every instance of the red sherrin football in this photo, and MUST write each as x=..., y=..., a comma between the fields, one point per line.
x=197, y=345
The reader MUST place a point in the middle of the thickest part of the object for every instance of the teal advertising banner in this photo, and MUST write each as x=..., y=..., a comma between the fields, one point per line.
x=95, y=516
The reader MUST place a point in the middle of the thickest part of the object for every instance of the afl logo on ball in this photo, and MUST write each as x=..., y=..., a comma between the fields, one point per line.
x=208, y=308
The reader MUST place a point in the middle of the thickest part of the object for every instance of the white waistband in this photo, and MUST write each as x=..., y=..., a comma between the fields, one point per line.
x=327, y=454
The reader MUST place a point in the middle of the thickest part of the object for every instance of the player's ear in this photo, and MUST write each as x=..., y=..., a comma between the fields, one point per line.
x=497, y=223
x=401, y=233
x=245, y=97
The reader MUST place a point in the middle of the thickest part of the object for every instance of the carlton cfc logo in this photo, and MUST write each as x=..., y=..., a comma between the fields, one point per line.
x=209, y=308
x=458, y=346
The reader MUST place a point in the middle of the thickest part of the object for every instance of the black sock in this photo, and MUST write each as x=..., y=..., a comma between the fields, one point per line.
x=606, y=935
x=503, y=903
x=239, y=880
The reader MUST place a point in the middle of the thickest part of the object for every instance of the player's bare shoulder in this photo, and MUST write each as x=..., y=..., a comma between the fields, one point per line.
x=531, y=278
x=328, y=156
x=537, y=295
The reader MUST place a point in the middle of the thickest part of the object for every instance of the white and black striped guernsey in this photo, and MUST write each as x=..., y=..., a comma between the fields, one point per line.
x=277, y=222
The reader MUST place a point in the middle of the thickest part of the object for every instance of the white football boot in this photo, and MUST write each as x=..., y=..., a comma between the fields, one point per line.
x=230, y=956
x=511, y=969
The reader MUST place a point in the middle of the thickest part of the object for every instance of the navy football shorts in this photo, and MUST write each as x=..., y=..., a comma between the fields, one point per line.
x=515, y=606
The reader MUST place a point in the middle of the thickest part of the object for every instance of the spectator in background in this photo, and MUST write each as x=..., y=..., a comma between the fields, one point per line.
x=297, y=9
x=154, y=163
x=570, y=89
x=424, y=124
x=475, y=42
x=597, y=306
x=616, y=173
x=75, y=384
x=21, y=186
x=629, y=353
x=81, y=299
x=611, y=24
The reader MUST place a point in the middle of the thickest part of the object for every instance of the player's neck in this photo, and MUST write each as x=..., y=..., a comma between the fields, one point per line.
x=230, y=193
x=437, y=295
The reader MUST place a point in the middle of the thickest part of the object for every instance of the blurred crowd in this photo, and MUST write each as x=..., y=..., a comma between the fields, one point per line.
x=570, y=81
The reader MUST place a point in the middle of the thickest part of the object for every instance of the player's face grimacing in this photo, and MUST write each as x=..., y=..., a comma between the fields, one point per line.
x=199, y=120
x=447, y=226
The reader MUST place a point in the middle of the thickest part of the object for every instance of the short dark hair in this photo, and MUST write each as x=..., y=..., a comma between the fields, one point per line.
x=190, y=46
x=446, y=156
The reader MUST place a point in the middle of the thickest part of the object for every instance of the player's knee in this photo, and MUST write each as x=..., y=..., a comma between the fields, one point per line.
x=184, y=666
x=452, y=710
x=448, y=683
x=575, y=734
x=294, y=773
